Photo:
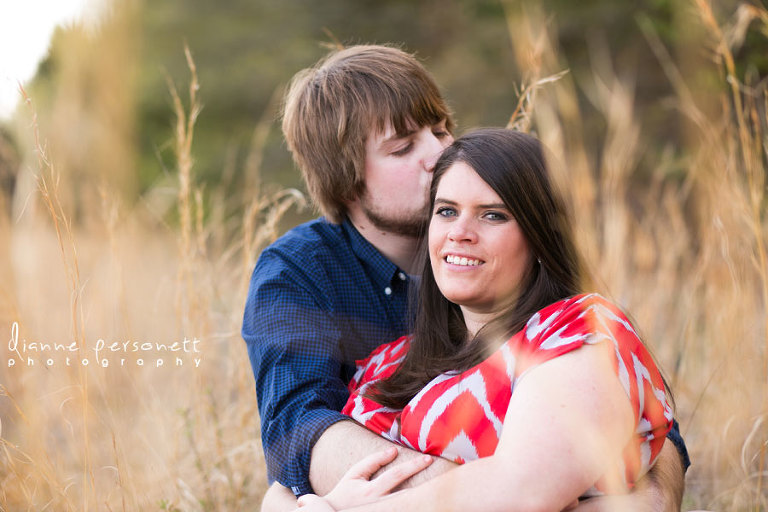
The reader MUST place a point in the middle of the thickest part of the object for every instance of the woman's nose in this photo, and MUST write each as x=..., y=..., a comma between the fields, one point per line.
x=462, y=230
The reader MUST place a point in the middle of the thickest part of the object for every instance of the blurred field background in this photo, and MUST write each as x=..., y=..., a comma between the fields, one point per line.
x=139, y=182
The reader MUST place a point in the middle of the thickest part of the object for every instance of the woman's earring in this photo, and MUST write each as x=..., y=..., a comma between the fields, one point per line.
x=539, y=260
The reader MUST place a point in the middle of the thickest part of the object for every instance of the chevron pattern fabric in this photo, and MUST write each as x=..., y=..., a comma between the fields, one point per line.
x=460, y=415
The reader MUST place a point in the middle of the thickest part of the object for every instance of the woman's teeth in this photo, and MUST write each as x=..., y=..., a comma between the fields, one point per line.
x=460, y=260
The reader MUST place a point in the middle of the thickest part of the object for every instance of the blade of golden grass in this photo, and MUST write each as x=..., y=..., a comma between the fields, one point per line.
x=48, y=180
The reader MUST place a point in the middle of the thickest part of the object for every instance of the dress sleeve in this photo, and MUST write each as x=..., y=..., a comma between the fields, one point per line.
x=293, y=346
x=591, y=319
x=381, y=364
x=552, y=332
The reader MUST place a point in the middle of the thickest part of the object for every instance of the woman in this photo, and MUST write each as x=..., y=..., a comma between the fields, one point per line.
x=549, y=392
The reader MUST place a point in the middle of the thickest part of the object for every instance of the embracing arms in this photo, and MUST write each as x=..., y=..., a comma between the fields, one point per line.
x=556, y=426
x=339, y=448
x=659, y=490
x=345, y=443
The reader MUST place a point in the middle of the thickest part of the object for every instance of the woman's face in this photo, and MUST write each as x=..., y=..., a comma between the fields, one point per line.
x=478, y=253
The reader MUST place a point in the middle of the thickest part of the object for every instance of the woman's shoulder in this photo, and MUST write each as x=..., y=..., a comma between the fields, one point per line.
x=574, y=308
x=573, y=321
x=581, y=301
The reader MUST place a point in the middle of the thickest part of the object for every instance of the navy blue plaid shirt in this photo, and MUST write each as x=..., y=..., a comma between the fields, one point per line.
x=321, y=297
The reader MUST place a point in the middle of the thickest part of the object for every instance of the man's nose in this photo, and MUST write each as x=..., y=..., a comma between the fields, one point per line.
x=434, y=148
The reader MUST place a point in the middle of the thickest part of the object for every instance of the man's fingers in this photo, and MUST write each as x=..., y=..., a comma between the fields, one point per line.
x=398, y=474
x=574, y=504
x=314, y=503
x=306, y=499
x=369, y=465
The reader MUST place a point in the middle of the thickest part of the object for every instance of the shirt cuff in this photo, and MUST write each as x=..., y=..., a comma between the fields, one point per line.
x=674, y=436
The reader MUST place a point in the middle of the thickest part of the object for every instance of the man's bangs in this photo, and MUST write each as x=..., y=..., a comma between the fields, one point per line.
x=409, y=112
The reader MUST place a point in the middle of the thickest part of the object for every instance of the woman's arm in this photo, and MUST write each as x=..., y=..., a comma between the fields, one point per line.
x=567, y=424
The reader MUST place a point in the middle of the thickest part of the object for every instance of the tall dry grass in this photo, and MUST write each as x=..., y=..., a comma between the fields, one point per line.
x=128, y=433
x=682, y=249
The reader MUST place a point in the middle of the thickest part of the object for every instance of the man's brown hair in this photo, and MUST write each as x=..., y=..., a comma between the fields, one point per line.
x=331, y=108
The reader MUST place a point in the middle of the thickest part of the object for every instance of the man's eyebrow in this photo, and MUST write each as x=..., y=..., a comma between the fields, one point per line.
x=397, y=136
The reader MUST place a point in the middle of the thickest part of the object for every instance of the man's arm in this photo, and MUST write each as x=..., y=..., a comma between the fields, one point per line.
x=294, y=342
x=660, y=490
x=293, y=345
x=346, y=442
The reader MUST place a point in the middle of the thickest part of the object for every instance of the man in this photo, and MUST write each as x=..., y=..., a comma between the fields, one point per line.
x=365, y=126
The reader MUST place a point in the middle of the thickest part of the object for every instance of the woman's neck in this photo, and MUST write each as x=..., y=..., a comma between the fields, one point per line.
x=475, y=321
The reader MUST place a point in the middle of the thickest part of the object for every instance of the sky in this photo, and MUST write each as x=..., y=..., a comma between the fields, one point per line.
x=26, y=27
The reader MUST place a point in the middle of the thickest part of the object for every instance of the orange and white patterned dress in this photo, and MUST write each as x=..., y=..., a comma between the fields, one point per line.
x=460, y=415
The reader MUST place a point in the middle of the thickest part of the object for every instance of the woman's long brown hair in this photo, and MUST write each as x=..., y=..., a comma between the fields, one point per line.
x=514, y=166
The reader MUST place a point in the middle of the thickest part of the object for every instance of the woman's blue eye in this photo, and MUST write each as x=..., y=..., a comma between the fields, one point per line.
x=495, y=216
x=445, y=212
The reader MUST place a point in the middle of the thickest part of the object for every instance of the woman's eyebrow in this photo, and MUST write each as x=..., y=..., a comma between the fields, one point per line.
x=499, y=206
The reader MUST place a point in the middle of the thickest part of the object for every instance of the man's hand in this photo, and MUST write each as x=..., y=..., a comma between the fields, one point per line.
x=660, y=490
x=345, y=443
x=278, y=499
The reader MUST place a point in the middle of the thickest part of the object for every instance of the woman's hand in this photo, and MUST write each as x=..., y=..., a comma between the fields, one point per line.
x=358, y=488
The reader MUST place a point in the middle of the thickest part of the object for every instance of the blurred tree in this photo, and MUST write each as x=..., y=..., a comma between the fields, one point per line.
x=9, y=165
x=84, y=97
x=247, y=50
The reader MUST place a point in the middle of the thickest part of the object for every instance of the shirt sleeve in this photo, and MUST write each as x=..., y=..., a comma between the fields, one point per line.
x=294, y=348
x=676, y=438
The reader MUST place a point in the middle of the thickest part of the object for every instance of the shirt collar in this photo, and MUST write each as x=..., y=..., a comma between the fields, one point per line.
x=380, y=266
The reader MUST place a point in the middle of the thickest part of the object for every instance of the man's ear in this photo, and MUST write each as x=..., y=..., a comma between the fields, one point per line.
x=354, y=209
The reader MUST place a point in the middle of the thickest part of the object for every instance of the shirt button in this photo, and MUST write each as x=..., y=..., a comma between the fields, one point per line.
x=388, y=291
x=401, y=275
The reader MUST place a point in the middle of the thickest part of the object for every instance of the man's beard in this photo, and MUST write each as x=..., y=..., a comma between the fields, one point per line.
x=413, y=226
